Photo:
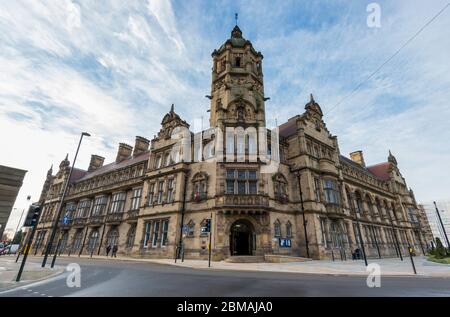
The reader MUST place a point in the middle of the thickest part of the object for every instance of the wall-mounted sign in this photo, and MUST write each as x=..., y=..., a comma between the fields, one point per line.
x=285, y=243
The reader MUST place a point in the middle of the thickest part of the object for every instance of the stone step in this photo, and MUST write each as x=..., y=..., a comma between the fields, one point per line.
x=245, y=259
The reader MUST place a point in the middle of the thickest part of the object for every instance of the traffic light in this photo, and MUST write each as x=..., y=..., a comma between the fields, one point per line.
x=207, y=226
x=32, y=215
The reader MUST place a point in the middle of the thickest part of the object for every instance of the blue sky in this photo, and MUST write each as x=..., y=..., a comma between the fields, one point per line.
x=114, y=68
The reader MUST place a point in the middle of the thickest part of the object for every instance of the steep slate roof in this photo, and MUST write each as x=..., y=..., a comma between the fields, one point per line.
x=77, y=174
x=144, y=156
x=380, y=170
x=288, y=128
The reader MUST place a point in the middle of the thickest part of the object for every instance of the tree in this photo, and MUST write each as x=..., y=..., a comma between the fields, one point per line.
x=440, y=252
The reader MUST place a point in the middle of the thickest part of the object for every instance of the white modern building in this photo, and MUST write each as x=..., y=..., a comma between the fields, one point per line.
x=436, y=228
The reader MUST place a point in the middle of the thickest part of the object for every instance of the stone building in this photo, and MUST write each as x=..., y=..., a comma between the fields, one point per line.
x=157, y=197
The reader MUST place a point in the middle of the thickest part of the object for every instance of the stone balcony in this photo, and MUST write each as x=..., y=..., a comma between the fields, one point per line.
x=132, y=215
x=236, y=200
x=96, y=220
x=114, y=218
x=79, y=222
x=335, y=209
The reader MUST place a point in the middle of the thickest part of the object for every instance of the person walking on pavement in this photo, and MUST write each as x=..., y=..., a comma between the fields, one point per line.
x=114, y=251
x=108, y=248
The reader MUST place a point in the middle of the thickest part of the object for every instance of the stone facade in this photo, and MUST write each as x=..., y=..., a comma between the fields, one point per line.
x=155, y=200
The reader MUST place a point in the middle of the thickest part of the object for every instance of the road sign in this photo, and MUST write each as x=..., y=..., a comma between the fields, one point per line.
x=65, y=220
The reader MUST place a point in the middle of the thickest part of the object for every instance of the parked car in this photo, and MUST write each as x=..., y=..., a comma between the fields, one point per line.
x=9, y=249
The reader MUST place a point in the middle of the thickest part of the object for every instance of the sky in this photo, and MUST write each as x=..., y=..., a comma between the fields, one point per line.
x=114, y=68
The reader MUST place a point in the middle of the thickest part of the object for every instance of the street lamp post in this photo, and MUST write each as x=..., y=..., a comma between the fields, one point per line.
x=303, y=215
x=394, y=232
x=58, y=215
x=442, y=224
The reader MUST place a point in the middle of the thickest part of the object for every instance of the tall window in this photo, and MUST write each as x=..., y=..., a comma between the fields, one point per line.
x=155, y=234
x=331, y=191
x=169, y=190
x=148, y=228
x=93, y=240
x=136, y=198
x=168, y=159
x=277, y=228
x=288, y=229
x=317, y=189
x=158, y=162
x=151, y=193
x=160, y=191
x=164, y=232
x=70, y=210
x=130, y=236
x=241, y=182
x=118, y=202
x=200, y=182
x=76, y=244
x=99, y=206
x=83, y=208
x=112, y=238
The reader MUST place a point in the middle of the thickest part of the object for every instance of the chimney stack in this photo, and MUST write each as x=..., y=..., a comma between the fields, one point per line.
x=141, y=145
x=124, y=152
x=96, y=162
x=358, y=157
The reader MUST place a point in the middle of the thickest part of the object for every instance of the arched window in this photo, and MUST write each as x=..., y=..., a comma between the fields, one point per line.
x=359, y=202
x=93, y=240
x=191, y=228
x=112, y=238
x=280, y=188
x=277, y=228
x=288, y=229
x=200, y=185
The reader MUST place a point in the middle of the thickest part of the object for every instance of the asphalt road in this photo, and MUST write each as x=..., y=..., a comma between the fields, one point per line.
x=127, y=278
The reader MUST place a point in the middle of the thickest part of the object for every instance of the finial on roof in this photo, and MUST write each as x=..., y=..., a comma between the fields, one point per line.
x=236, y=18
x=312, y=97
x=391, y=158
x=67, y=157
x=49, y=172
x=172, y=108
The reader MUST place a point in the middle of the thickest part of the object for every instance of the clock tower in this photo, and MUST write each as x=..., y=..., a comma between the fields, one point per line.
x=237, y=90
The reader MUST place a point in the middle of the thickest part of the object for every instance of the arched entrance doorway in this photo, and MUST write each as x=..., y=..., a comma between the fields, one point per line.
x=241, y=238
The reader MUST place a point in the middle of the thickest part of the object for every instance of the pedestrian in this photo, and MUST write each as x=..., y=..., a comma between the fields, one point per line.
x=108, y=248
x=114, y=251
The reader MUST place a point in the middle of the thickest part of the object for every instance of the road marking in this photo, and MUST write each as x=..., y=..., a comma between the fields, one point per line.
x=35, y=292
x=42, y=294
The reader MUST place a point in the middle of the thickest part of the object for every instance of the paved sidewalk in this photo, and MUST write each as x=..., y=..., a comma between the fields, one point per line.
x=389, y=267
x=32, y=272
